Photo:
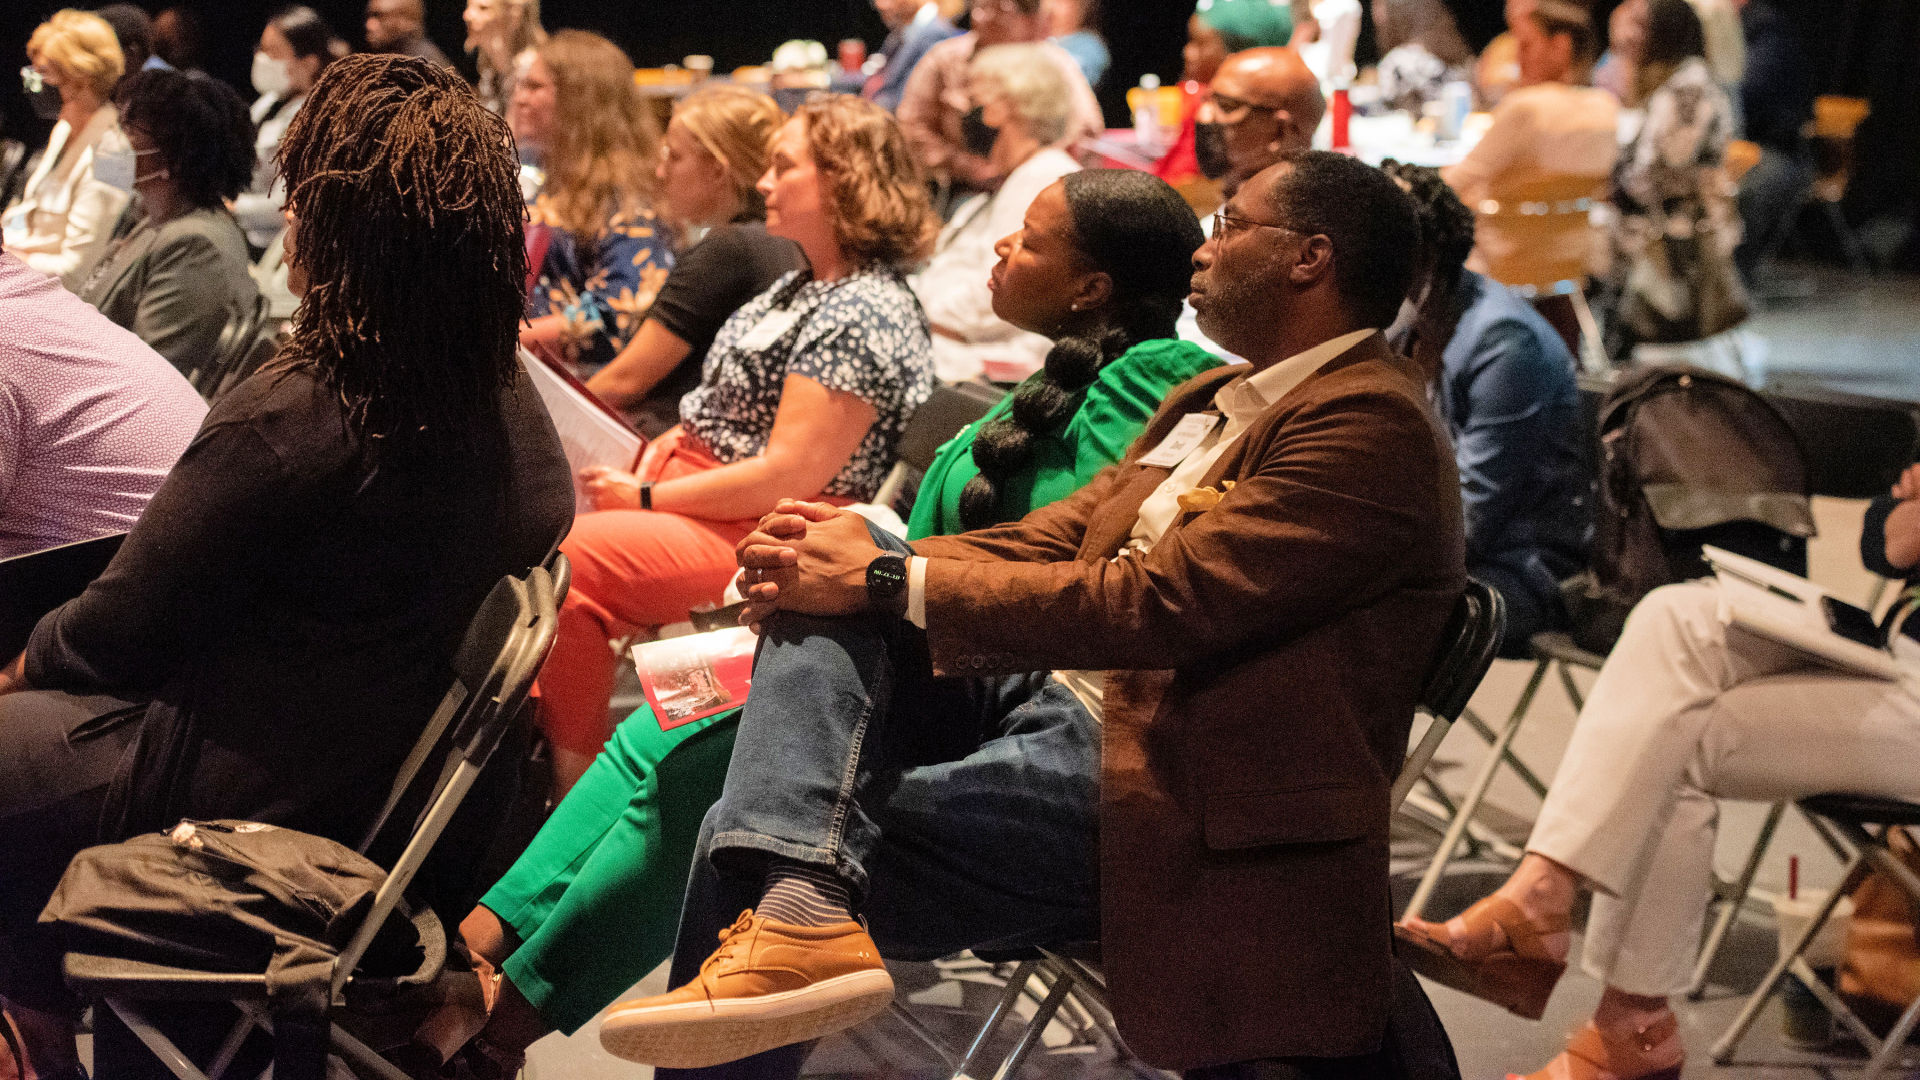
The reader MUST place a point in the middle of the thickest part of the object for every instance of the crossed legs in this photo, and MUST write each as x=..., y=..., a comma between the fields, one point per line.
x=1685, y=712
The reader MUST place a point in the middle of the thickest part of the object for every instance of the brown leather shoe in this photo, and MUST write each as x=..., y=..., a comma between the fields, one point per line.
x=1519, y=975
x=769, y=984
x=1652, y=1053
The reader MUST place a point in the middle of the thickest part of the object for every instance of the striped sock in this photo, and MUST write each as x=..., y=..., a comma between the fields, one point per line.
x=800, y=894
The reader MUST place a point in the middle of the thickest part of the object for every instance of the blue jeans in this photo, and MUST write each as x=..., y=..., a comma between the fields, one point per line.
x=962, y=812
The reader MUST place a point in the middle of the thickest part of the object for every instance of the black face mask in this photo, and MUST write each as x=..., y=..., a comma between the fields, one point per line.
x=978, y=135
x=45, y=101
x=1210, y=150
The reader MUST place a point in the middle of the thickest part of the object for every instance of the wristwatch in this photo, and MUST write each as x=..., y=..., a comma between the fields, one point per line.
x=887, y=583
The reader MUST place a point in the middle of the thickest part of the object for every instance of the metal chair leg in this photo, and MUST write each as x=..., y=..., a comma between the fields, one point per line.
x=156, y=1041
x=1519, y=767
x=1723, y=1050
x=1593, y=355
x=1476, y=791
x=1037, y=1027
x=921, y=1031
x=1895, y=1044
x=1016, y=985
x=1731, y=901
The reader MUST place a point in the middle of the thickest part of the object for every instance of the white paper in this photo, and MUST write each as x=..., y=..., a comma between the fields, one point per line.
x=1189, y=433
x=587, y=434
x=1782, y=607
x=767, y=331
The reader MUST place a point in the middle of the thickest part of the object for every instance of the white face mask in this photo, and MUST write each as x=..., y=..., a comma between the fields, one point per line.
x=114, y=168
x=271, y=77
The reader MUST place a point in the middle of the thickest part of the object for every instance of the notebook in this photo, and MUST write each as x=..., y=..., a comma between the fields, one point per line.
x=1779, y=606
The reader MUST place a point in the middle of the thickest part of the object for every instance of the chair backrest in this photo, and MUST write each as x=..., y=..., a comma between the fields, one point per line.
x=236, y=339
x=262, y=348
x=1856, y=445
x=1545, y=228
x=13, y=168
x=1467, y=648
x=494, y=668
x=939, y=418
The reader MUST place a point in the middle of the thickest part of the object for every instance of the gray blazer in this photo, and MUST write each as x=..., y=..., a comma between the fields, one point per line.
x=176, y=285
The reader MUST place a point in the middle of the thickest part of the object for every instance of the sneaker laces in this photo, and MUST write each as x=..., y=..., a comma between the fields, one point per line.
x=731, y=939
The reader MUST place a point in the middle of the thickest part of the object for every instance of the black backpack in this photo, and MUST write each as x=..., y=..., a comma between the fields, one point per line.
x=1687, y=457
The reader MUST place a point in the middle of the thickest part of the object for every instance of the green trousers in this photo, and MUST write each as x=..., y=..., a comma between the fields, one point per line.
x=596, y=897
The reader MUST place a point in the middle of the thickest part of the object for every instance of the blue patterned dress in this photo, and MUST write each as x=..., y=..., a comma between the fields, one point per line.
x=604, y=284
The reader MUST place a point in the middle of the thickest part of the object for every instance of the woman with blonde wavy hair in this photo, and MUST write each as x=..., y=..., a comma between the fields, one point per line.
x=806, y=389
x=716, y=149
x=600, y=252
x=65, y=215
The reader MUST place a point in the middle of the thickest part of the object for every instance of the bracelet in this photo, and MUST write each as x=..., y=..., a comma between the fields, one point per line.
x=646, y=495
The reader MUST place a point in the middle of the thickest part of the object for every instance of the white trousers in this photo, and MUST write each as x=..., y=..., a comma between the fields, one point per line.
x=1687, y=711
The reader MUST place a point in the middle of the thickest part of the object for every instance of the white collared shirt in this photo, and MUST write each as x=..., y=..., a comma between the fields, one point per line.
x=1240, y=402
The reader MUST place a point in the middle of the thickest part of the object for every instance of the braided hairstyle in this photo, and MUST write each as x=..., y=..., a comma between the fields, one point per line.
x=408, y=218
x=1446, y=225
x=1138, y=231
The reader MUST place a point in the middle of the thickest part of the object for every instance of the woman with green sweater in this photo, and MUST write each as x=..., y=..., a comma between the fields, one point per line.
x=1101, y=266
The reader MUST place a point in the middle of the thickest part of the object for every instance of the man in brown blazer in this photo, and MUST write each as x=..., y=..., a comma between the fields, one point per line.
x=1165, y=711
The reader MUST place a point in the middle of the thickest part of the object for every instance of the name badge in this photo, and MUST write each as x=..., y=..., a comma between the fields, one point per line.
x=1186, y=436
x=767, y=330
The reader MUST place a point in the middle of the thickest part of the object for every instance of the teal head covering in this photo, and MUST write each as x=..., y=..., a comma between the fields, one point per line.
x=1246, y=24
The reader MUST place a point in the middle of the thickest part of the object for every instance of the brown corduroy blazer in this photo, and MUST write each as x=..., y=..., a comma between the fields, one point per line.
x=1264, y=662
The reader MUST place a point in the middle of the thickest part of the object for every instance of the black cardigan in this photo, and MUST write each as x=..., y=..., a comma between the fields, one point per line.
x=290, y=607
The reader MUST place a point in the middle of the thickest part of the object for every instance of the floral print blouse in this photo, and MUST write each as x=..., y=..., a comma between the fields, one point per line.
x=863, y=334
x=604, y=284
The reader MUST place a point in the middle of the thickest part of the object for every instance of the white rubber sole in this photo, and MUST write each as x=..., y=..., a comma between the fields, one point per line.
x=695, y=1035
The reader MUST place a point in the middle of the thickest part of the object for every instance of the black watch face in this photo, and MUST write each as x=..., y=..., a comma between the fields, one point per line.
x=887, y=576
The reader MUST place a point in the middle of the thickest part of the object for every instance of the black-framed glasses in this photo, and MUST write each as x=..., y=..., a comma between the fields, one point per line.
x=1224, y=224
x=1227, y=105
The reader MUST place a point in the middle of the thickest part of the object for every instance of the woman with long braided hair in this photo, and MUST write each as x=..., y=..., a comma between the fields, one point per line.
x=1100, y=265
x=277, y=627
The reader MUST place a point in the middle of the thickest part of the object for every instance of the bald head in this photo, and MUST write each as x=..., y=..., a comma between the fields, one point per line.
x=1275, y=75
x=1263, y=104
x=391, y=22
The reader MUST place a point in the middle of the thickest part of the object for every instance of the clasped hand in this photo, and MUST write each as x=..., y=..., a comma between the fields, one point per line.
x=807, y=557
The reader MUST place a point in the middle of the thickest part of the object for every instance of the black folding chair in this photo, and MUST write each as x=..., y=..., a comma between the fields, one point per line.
x=506, y=642
x=1844, y=822
x=941, y=417
x=250, y=339
x=1072, y=972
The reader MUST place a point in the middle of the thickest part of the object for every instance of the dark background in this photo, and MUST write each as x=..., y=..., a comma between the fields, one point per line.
x=1868, y=48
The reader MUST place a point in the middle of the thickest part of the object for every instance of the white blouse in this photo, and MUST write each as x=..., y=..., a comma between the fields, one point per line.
x=61, y=224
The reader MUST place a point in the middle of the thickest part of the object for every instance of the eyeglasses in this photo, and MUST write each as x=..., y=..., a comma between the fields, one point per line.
x=1224, y=224
x=1235, y=107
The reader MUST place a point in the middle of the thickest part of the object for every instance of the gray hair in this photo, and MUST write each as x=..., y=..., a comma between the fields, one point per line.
x=1031, y=80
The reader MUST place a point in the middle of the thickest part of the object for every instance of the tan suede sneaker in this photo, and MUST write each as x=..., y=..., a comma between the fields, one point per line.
x=769, y=984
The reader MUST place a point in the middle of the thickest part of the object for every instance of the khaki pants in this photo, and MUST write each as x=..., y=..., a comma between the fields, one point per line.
x=1685, y=712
